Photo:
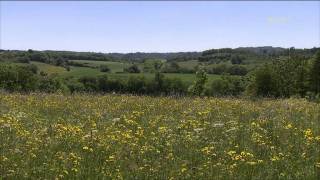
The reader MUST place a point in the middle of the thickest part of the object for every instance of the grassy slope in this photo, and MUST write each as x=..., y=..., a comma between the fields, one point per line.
x=49, y=69
x=45, y=136
x=188, y=64
x=118, y=67
x=115, y=67
x=84, y=71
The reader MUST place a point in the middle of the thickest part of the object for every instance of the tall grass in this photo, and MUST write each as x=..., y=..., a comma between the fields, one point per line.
x=52, y=136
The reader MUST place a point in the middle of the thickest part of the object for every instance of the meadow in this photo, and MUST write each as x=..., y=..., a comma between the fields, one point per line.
x=116, y=70
x=114, y=66
x=88, y=72
x=84, y=136
x=115, y=74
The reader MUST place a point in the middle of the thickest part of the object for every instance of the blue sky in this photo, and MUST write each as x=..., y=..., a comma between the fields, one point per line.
x=157, y=26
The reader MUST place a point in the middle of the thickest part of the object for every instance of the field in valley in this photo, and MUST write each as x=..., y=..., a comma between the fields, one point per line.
x=116, y=70
x=54, y=136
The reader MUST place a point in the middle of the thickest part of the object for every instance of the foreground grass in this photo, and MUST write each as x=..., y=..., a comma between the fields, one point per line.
x=129, y=137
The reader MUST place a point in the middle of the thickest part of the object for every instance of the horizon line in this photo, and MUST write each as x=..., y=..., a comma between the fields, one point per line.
x=114, y=52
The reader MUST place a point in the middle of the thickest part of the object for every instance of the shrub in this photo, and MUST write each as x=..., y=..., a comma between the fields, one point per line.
x=264, y=83
x=90, y=83
x=237, y=70
x=50, y=84
x=104, y=68
x=315, y=74
x=198, y=87
x=103, y=83
x=132, y=69
x=226, y=86
x=236, y=59
x=23, y=59
x=136, y=85
x=17, y=78
x=174, y=86
x=74, y=85
x=33, y=68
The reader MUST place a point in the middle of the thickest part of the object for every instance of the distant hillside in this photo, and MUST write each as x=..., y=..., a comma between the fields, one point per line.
x=249, y=55
x=214, y=55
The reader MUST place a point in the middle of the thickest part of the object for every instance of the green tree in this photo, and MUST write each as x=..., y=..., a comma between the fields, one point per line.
x=157, y=65
x=198, y=87
x=17, y=78
x=132, y=69
x=90, y=83
x=136, y=85
x=104, y=68
x=236, y=59
x=264, y=83
x=226, y=86
x=103, y=83
x=33, y=68
x=50, y=84
x=158, y=79
x=315, y=74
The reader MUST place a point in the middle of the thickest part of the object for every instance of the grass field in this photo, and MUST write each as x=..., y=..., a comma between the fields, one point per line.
x=85, y=71
x=129, y=137
x=49, y=69
x=188, y=64
x=114, y=66
x=81, y=71
x=188, y=78
x=119, y=66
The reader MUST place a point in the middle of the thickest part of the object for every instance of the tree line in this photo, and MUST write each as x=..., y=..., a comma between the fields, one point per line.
x=281, y=78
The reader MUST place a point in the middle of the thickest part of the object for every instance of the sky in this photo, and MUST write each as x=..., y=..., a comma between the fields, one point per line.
x=165, y=26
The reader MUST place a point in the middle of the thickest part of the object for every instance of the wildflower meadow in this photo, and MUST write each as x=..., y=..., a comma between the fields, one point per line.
x=83, y=136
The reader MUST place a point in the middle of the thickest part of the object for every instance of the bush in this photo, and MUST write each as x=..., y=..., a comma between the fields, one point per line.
x=174, y=86
x=103, y=83
x=264, y=83
x=132, y=69
x=226, y=86
x=171, y=67
x=237, y=70
x=23, y=59
x=198, y=87
x=136, y=85
x=187, y=70
x=231, y=69
x=315, y=74
x=17, y=78
x=90, y=83
x=116, y=86
x=236, y=59
x=158, y=81
x=104, y=68
x=74, y=85
x=33, y=68
x=50, y=84
x=218, y=69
